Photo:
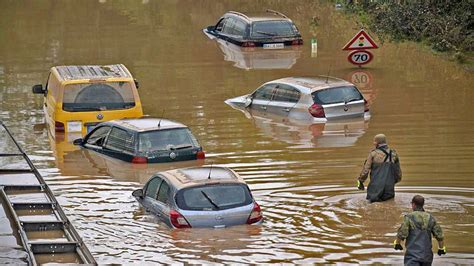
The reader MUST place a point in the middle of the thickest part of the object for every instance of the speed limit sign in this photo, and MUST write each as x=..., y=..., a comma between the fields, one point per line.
x=360, y=57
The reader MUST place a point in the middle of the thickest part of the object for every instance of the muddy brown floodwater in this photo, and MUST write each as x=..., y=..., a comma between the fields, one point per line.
x=303, y=176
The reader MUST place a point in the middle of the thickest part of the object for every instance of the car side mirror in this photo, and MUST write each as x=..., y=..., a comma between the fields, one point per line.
x=138, y=193
x=136, y=83
x=78, y=142
x=38, y=89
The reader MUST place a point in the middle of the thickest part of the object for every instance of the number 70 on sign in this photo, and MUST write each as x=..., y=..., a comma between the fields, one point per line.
x=360, y=57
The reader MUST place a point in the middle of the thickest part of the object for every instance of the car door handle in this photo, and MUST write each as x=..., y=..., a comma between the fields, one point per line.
x=286, y=109
x=264, y=107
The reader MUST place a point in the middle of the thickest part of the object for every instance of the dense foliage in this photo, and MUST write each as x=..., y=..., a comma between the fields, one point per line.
x=446, y=26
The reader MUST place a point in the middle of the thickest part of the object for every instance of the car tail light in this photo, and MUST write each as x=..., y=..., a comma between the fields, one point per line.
x=178, y=220
x=255, y=215
x=248, y=44
x=139, y=159
x=58, y=126
x=366, y=106
x=317, y=110
x=200, y=155
x=297, y=42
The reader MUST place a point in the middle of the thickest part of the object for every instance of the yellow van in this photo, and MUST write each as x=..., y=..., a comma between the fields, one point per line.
x=76, y=98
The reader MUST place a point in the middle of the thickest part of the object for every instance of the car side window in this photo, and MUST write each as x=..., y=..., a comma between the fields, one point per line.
x=121, y=140
x=264, y=93
x=163, y=192
x=239, y=28
x=220, y=24
x=285, y=93
x=152, y=187
x=228, y=26
x=97, y=137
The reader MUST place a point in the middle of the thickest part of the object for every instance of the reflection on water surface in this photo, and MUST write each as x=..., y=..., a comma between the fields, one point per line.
x=304, y=182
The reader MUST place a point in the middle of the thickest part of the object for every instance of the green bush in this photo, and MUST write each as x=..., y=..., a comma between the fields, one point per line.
x=444, y=25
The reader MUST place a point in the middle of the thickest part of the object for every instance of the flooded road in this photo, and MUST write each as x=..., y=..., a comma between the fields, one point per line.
x=303, y=176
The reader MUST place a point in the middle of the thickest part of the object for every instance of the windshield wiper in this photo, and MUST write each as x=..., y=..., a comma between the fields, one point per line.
x=210, y=200
x=266, y=33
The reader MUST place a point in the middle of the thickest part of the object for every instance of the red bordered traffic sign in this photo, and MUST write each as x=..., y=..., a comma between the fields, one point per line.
x=360, y=57
x=361, y=40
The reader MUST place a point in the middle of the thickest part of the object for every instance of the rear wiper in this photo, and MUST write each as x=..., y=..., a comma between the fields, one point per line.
x=182, y=146
x=86, y=108
x=266, y=33
x=353, y=99
x=210, y=200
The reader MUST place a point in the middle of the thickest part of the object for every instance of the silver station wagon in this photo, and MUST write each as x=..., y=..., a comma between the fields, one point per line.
x=317, y=99
x=199, y=197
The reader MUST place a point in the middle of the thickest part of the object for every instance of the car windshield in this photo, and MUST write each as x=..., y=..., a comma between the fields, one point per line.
x=98, y=96
x=272, y=28
x=169, y=139
x=214, y=197
x=336, y=95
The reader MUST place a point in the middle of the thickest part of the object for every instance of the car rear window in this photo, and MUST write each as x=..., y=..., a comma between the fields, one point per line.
x=215, y=197
x=337, y=95
x=273, y=28
x=169, y=139
x=98, y=96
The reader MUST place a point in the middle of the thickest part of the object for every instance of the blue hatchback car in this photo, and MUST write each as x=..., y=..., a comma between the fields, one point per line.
x=143, y=140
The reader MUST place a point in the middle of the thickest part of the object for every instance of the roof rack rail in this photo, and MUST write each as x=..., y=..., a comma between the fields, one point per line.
x=276, y=13
x=239, y=14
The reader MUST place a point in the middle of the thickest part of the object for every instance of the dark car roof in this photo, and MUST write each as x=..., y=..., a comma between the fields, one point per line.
x=188, y=177
x=93, y=72
x=147, y=124
x=260, y=16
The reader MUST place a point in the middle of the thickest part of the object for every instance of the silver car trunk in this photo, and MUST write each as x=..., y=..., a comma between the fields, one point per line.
x=342, y=109
x=218, y=218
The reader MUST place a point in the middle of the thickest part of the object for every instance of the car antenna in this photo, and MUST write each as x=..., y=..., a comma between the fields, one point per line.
x=210, y=170
x=161, y=118
x=327, y=77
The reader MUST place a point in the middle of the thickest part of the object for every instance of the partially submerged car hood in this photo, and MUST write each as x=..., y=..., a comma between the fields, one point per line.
x=240, y=102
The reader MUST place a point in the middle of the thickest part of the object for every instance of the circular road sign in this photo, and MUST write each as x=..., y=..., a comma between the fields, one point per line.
x=361, y=78
x=360, y=57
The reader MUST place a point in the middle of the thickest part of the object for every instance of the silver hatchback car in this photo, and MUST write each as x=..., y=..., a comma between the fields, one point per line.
x=317, y=99
x=199, y=197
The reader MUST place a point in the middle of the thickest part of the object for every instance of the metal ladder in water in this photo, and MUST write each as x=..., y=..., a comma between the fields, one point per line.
x=46, y=233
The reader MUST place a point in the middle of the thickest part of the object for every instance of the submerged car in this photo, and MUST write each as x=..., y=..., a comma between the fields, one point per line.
x=318, y=99
x=77, y=98
x=271, y=30
x=199, y=197
x=145, y=140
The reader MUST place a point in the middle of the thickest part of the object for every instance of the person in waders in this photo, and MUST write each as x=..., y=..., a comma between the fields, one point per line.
x=384, y=167
x=417, y=228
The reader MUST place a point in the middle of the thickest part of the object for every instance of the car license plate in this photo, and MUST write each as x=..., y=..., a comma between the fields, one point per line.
x=273, y=46
x=74, y=126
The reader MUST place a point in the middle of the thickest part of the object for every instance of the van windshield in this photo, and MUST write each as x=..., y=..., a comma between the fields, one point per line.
x=336, y=95
x=98, y=96
x=213, y=197
x=169, y=139
x=273, y=28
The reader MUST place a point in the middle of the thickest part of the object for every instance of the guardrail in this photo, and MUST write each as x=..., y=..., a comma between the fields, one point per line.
x=46, y=233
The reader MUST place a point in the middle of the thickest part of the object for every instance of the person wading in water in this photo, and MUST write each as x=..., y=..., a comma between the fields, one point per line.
x=417, y=228
x=384, y=167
